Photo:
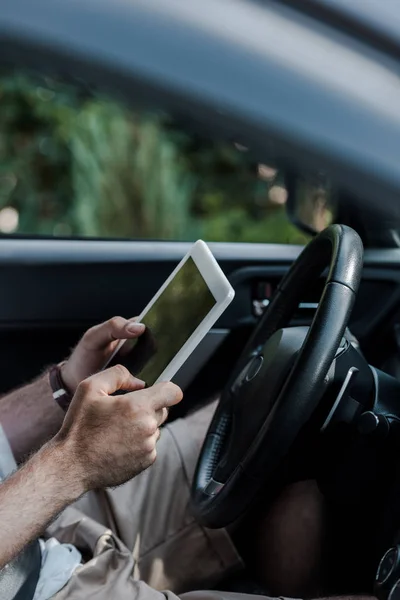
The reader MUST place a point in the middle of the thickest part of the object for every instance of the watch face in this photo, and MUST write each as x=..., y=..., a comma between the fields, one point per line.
x=386, y=565
x=394, y=593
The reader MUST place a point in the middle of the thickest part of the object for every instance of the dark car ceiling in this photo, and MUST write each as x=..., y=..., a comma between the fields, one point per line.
x=376, y=23
x=381, y=17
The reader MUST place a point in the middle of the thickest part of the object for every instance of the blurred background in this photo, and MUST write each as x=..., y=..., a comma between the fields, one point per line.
x=76, y=163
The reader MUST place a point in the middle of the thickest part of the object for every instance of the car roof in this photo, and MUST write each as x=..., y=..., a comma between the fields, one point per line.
x=377, y=22
x=380, y=15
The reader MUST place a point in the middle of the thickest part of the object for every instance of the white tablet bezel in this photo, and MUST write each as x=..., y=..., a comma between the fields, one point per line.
x=220, y=288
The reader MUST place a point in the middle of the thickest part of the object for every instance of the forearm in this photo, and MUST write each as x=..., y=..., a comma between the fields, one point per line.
x=32, y=497
x=30, y=417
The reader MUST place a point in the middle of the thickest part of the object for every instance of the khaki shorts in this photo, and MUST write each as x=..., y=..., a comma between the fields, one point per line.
x=141, y=538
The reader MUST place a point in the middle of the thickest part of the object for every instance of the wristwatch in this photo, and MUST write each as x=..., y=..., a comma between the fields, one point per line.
x=61, y=394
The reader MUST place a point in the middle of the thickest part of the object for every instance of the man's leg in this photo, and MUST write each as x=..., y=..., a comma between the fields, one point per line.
x=289, y=542
x=150, y=517
x=154, y=540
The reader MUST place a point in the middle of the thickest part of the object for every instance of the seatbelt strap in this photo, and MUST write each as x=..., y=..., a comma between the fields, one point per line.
x=18, y=579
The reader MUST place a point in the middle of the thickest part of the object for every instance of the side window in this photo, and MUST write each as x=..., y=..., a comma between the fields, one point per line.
x=79, y=164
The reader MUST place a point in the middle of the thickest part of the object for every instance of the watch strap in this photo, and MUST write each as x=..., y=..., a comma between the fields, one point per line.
x=61, y=394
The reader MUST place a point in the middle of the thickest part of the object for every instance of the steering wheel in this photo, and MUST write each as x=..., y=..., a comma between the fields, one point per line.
x=278, y=381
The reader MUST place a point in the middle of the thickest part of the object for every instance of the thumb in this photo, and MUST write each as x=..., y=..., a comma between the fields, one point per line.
x=163, y=395
x=116, y=328
x=113, y=379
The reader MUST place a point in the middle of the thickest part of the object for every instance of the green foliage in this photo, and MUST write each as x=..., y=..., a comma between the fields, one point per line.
x=74, y=164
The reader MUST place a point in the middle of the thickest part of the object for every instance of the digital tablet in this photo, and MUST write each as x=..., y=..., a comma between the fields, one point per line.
x=177, y=318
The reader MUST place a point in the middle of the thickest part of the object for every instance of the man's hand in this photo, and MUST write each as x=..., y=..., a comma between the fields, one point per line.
x=113, y=438
x=96, y=347
x=30, y=416
x=104, y=441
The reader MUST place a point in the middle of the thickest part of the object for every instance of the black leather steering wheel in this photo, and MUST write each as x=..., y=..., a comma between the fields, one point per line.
x=278, y=381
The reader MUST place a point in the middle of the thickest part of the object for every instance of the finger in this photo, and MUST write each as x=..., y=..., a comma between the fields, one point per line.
x=134, y=328
x=155, y=437
x=116, y=328
x=164, y=395
x=114, y=379
x=161, y=415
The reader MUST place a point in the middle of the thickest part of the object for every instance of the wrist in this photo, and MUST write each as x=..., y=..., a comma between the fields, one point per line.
x=64, y=469
x=69, y=381
x=61, y=392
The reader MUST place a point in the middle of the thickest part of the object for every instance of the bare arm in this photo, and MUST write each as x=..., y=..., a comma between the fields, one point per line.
x=105, y=440
x=33, y=496
x=30, y=416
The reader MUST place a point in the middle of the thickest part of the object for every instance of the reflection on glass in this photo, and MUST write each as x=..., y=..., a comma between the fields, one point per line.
x=315, y=205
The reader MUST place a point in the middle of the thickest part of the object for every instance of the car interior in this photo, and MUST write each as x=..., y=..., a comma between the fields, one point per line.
x=54, y=288
x=333, y=325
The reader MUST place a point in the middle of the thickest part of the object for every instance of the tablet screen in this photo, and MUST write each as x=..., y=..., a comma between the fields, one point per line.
x=170, y=322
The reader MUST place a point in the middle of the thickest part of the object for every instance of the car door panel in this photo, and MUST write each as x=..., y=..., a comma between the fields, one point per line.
x=52, y=290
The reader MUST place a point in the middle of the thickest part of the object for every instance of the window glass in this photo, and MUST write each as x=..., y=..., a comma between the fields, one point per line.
x=74, y=163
